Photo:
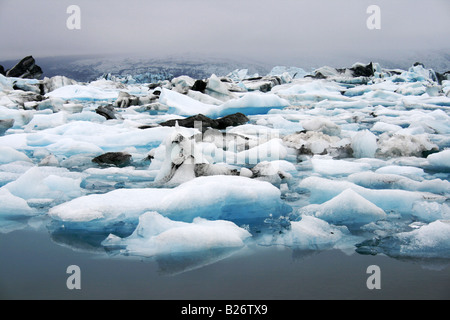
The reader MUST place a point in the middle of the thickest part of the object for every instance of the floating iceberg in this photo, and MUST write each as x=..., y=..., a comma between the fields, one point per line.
x=311, y=233
x=429, y=241
x=158, y=235
x=13, y=206
x=347, y=208
x=364, y=144
x=440, y=160
x=400, y=201
x=327, y=166
x=8, y=155
x=231, y=198
x=46, y=184
x=314, y=158
x=251, y=103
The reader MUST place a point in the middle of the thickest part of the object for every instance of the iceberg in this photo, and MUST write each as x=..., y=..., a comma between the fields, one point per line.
x=231, y=198
x=252, y=103
x=13, y=206
x=9, y=154
x=374, y=180
x=46, y=183
x=327, y=166
x=440, y=160
x=427, y=242
x=400, y=201
x=249, y=104
x=311, y=233
x=347, y=208
x=184, y=105
x=158, y=235
x=364, y=144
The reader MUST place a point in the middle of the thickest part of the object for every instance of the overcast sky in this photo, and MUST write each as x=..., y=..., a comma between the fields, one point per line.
x=266, y=30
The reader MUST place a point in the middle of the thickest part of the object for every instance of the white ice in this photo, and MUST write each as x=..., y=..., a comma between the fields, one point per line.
x=158, y=235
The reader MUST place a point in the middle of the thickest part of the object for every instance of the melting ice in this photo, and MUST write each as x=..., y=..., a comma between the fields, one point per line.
x=353, y=159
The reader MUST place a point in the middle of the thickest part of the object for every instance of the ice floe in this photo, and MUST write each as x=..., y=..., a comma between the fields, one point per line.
x=353, y=157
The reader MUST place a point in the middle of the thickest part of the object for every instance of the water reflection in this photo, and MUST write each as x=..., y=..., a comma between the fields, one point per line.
x=176, y=263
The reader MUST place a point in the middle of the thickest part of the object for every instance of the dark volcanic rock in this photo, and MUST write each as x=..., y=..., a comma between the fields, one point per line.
x=5, y=125
x=2, y=70
x=199, y=85
x=442, y=76
x=118, y=159
x=26, y=68
x=108, y=112
x=190, y=121
x=362, y=71
x=316, y=75
x=221, y=123
x=232, y=120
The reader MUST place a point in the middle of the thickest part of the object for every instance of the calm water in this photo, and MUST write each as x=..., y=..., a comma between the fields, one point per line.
x=33, y=265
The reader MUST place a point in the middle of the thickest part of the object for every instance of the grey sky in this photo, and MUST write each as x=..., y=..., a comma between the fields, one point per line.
x=267, y=30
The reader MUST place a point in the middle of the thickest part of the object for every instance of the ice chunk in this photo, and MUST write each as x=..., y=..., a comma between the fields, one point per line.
x=210, y=197
x=252, y=103
x=69, y=147
x=278, y=122
x=8, y=155
x=294, y=72
x=271, y=150
x=428, y=241
x=41, y=183
x=127, y=174
x=347, y=208
x=408, y=171
x=381, y=126
x=274, y=172
x=5, y=83
x=82, y=92
x=311, y=142
x=218, y=89
x=53, y=83
x=400, y=201
x=183, y=105
x=182, y=84
x=404, y=145
x=328, y=166
x=238, y=74
x=364, y=144
x=13, y=206
x=311, y=233
x=440, y=160
x=45, y=121
x=432, y=240
x=431, y=211
x=157, y=235
x=323, y=125
x=20, y=117
x=374, y=180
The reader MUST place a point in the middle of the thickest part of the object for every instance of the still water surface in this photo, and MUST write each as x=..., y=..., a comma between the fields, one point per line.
x=33, y=265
